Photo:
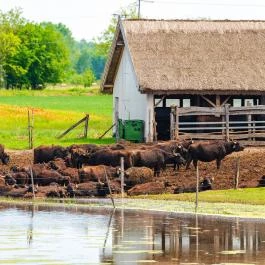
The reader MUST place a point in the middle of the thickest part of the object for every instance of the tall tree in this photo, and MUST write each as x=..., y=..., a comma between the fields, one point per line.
x=10, y=23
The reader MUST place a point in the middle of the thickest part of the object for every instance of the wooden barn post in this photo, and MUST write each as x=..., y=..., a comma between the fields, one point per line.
x=177, y=123
x=227, y=122
x=172, y=122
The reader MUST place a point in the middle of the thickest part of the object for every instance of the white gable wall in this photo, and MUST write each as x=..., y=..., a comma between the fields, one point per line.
x=132, y=104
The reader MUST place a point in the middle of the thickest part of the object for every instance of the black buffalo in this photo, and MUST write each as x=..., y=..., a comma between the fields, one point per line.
x=110, y=157
x=209, y=151
x=152, y=158
x=49, y=153
x=3, y=156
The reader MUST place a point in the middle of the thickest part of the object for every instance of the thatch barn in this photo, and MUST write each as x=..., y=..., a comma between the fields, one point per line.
x=154, y=64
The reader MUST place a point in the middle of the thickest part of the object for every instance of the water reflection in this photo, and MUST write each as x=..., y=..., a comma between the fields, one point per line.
x=41, y=235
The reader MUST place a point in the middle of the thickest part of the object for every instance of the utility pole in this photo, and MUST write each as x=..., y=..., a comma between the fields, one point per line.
x=139, y=6
x=139, y=9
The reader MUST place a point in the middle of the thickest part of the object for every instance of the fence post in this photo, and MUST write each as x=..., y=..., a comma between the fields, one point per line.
x=86, y=125
x=172, y=123
x=108, y=183
x=197, y=187
x=122, y=177
x=30, y=128
x=237, y=173
x=227, y=122
x=32, y=183
x=177, y=123
x=154, y=131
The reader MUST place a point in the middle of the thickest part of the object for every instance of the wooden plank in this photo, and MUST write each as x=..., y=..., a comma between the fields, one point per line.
x=208, y=100
x=201, y=128
x=71, y=128
x=204, y=123
x=107, y=131
x=225, y=101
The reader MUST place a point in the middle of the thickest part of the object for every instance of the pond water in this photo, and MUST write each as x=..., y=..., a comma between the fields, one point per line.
x=57, y=236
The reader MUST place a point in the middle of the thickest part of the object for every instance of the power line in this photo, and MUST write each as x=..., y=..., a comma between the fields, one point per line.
x=205, y=3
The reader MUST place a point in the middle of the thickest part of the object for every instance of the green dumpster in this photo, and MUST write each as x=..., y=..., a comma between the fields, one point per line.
x=134, y=130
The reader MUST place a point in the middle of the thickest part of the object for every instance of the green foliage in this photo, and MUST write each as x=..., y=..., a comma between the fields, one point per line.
x=105, y=40
x=88, y=78
x=31, y=54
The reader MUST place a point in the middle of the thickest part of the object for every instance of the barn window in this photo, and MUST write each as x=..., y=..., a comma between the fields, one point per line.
x=186, y=102
x=237, y=102
x=172, y=101
x=249, y=102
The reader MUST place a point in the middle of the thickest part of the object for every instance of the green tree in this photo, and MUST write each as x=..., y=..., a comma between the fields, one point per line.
x=104, y=41
x=42, y=57
x=10, y=23
x=88, y=78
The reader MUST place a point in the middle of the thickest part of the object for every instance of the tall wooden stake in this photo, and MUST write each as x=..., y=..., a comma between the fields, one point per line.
x=122, y=177
x=197, y=187
x=32, y=182
x=30, y=128
x=237, y=172
x=107, y=179
x=86, y=126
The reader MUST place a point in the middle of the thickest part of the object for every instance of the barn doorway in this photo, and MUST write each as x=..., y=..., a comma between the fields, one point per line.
x=162, y=113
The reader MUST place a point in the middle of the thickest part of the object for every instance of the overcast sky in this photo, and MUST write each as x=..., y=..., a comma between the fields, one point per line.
x=88, y=18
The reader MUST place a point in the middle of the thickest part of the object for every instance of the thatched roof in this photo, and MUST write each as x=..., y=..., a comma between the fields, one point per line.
x=193, y=56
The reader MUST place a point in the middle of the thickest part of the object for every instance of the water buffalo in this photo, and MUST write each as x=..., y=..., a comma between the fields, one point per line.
x=97, y=173
x=209, y=151
x=110, y=157
x=152, y=158
x=173, y=146
x=48, y=153
x=138, y=175
x=3, y=156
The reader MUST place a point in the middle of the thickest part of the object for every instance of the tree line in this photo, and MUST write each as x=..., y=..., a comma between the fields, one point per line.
x=33, y=55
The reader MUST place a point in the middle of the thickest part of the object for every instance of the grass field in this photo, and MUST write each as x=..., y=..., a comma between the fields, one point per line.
x=55, y=110
x=244, y=196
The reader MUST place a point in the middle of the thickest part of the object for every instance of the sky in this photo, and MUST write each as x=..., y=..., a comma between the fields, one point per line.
x=87, y=19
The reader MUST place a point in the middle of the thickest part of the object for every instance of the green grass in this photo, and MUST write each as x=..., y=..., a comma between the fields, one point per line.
x=55, y=110
x=243, y=196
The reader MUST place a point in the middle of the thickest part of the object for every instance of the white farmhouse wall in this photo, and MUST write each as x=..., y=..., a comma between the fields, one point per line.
x=132, y=104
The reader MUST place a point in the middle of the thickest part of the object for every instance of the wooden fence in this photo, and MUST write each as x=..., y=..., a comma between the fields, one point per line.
x=237, y=123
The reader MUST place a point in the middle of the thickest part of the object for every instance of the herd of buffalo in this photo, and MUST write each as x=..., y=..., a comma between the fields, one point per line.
x=81, y=170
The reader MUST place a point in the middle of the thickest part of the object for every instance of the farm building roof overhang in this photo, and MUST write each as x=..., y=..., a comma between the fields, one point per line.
x=191, y=56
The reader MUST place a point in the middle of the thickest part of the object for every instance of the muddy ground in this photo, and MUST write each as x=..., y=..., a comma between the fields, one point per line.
x=252, y=169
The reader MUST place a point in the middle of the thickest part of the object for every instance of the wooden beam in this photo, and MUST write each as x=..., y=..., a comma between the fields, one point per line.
x=159, y=101
x=72, y=127
x=218, y=100
x=209, y=101
x=225, y=101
